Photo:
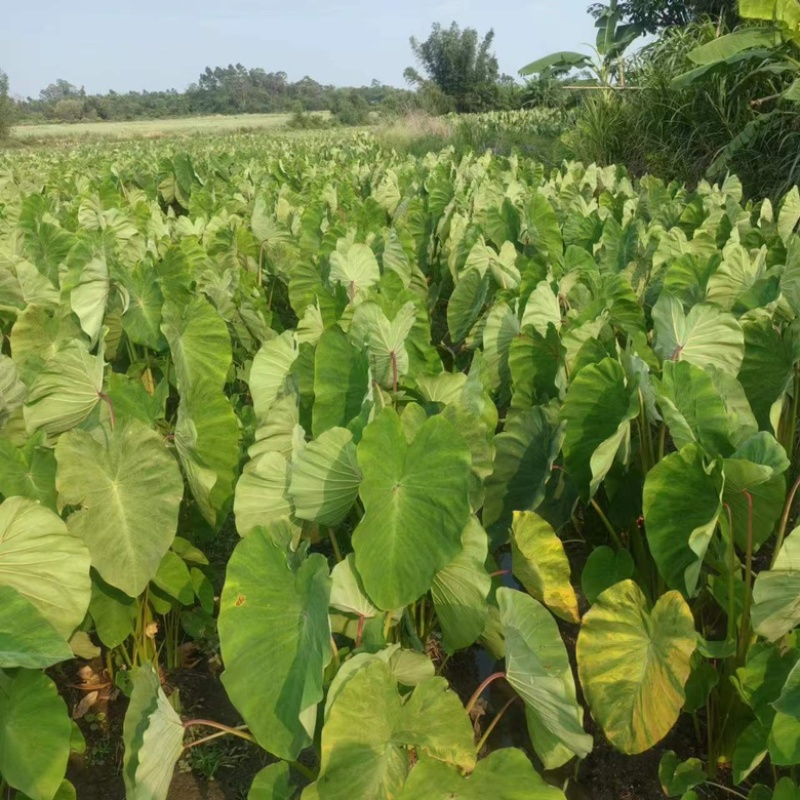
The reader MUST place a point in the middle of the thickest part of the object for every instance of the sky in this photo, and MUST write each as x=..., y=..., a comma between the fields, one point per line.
x=166, y=44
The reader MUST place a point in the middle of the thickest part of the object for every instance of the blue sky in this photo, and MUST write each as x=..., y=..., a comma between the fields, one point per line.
x=162, y=44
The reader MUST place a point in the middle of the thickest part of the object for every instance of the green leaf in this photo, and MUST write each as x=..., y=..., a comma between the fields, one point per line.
x=29, y=471
x=540, y=564
x=563, y=60
x=275, y=640
x=460, y=590
x=776, y=592
x=597, y=411
x=271, y=374
x=66, y=391
x=46, y=565
x=682, y=501
x=501, y=327
x=705, y=337
x=272, y=783
x=27, y=639
x=347, y=591
x=538, y=669
x=355, y=267
x=677, y=777
x=524, y=456
x=603, y=569
x=153, y=738
x=466, y=303
x=35, y=733
x=693, y=409
x=341, y=381
x=325, y=478
x=505, y=774
x=142, y=319
x=199, y=343
x=262, y=493
x=416, y=504
x=12, y=390
x=749, y=751
x=90, y=296
x=633, y=664
x=129, y=490
x=173, y=578
x=369, y=730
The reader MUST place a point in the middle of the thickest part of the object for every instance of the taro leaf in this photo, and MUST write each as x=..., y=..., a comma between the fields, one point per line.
x=466, y=302
x=112, y=612
x=408, y=668
x=603, y=569
x=682, y=501
x=385, y=340
x=262, y=493
x=66, y=391
x=325, y=478
x=347, y=592
x=538, y=669
x=341, y=381
x=354, y=267
x=505, y=774
x=368, y=733
x=693, y=409
x=199, y=343
x=460, y=590
x=129, y=490
x=707, y=336
x=153, y=738
x=540, y=564
x=207, y=442
x=142, y=319
x=46, y=565
x=524, y=456
x=173, y=579
x=29, y=471
x=677, y=777
x=275, y=639
x=749, y=751
x=501, y=327
x=416, y=504
x=271, y=374
x=27, y=639
x=786, y=788
x=776, y=592
x=597, y=411
x=12, y=390
x=35, y=732
x=89, y=297
x=742, y=424
x=789, y=700
x=760, y=681
x=633, y=664
x=272, y=783
x=784, y=740
x=537, y=366
x=542, y=309
x=767, y=370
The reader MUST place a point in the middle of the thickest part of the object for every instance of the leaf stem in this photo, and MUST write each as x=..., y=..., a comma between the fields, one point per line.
x=493, y=724
x=744, y=632
x=726, y=789
x=305, y=771
x=787, y=510
x=495, y=676
x=360, y=631
x=240, y=731
x=335, y=545
x=609, y=527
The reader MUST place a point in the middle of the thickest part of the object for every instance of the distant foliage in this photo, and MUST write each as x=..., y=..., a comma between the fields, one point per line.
x=460, y=64
x=6, y=107
x=657, y=15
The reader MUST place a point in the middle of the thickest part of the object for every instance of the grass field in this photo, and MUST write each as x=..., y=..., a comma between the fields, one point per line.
x=148, y=129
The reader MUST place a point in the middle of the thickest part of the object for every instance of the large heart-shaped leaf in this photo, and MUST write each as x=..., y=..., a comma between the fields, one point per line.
x=128, y=489
x=29, y=471
x=35, y=732
x=538, y=668
x=44, y=563
x=505, y=774
x=153, y=738
x=776, y=592
x=325, y=478
x=12, y=390
x=271, y=374
x=540, y=564
x=706, y=336
x=275, y=639
x=368, y=733
x=272, y=783
x=262, y=493
x=598, y=409
x=27, y=639
x=65, y=391
x=633, y=664
x=90, y=296
x=416, y=504
x=460, y=590
x=682, y=502
x=354, y=267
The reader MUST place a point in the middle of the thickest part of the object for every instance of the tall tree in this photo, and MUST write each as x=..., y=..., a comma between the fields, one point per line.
x=656, y=15
x=460, y=64
x=6, y=107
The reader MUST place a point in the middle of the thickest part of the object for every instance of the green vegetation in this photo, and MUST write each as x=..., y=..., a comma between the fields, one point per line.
x=445, y=401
